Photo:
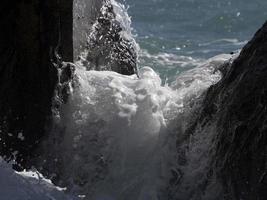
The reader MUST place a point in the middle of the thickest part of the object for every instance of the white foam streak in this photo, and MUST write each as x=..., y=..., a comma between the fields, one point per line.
x=169, y=60
x=125, y=22
x=224, y=41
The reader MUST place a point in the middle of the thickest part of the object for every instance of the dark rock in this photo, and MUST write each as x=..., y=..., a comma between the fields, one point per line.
x=107, y=48
x=239, y=105
x=30, y=31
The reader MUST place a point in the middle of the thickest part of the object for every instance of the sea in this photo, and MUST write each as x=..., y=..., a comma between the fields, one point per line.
x=124, y=137
x=175, y=35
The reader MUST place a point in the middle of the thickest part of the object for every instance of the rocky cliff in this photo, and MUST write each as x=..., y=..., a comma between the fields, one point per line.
x=237, y=106
x=240, y=101
x=30, y=32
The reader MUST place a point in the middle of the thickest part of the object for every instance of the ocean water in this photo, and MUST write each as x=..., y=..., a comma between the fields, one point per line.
x=175, y=35
x=120, y=137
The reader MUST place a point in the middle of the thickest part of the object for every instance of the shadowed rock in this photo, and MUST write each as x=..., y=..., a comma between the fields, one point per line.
x=238, y=105
x=241, y=97
x=30, y=30
x=107, y=48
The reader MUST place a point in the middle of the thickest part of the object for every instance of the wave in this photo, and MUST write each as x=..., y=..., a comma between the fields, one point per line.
x=169, y=60
x=224, y=41
x=119, y=138
x=116, y=136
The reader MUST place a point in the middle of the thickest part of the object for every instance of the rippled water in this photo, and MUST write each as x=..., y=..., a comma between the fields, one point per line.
x=175, y=35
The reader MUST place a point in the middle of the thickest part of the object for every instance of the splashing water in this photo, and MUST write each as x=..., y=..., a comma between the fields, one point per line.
x=119, y=141
x=110, y=45
x=118, y=133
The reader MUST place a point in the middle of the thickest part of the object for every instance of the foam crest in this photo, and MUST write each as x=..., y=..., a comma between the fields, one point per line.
x=169, y=60
x=113, y=123
x=117, y=129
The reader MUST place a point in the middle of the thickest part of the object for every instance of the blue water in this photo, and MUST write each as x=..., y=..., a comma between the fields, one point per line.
x=176, y=35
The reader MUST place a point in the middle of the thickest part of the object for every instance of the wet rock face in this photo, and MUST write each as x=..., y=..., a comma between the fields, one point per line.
x=239, y=104
x=107, y=48
x=85, y=12
x=30, y=31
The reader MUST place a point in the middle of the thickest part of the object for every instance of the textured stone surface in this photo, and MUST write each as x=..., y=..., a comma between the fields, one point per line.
x=239, y=105
x=100, y=39
x=85, y=13
x=108, y=48
x=30, y=32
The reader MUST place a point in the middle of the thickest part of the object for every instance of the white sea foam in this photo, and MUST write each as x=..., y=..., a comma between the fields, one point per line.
x=118, y=138
x=120, y=132
x=117, y=134
x=169, y=60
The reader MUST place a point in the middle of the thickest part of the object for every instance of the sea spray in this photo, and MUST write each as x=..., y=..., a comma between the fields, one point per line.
x=117, y=135
x=110, y=44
